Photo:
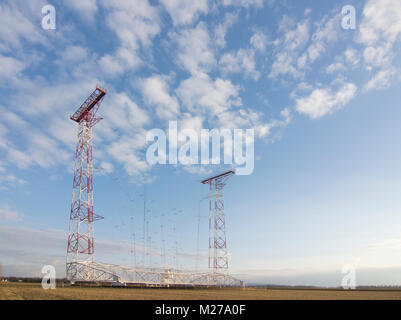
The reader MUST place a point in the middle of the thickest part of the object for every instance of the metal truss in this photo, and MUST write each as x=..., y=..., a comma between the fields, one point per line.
x=90, y=271
x=217, y=222
x=80, y=250
x=81, y=232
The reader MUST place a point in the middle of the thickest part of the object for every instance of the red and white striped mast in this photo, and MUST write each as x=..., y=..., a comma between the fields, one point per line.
x=81, y=232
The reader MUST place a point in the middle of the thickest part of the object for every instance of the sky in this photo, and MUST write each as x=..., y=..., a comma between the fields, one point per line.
x=323, y=100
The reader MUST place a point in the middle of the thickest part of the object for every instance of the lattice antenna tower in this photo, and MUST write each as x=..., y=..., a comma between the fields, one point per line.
x=81, y=246
x=218, y=255
x=133, y=243
x=163, y=246
x=144, y=249
x=175, y=248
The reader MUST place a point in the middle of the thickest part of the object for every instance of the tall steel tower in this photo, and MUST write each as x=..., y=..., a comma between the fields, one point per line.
x=217, y=222
x=81, y=237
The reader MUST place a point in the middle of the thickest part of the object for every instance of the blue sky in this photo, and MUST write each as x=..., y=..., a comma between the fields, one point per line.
x=323, y=100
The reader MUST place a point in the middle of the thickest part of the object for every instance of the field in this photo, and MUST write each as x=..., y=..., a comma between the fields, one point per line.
x=29, y=291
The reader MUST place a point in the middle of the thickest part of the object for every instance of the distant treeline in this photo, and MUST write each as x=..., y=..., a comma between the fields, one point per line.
x=288, y=287
x=27, y=279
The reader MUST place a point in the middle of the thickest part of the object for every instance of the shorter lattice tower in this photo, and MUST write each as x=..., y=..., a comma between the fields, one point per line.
x=218, y=255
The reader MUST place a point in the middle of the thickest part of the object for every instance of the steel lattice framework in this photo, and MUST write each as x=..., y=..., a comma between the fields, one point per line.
x=80, y=249
x=80, y=245
x=90, y=271
x=217, y=222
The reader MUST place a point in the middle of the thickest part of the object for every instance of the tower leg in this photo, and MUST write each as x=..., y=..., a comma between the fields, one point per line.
x=81, y=233
x=218, y=255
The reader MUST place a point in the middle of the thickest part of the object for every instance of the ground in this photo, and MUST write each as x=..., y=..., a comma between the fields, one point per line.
x=29, y=291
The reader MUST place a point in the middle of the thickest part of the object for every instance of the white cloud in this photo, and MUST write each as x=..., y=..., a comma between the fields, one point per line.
x=219, y=104
x=377, y=56
x=185, y=12
x=243, y=3
x=45, y=151
x=122, y=135
x=323, y=101
x=106, y=167
x=63, y=130
x=155, y=91
x=351, y=56
x=12, y=119
x=10, y=67
x=123, y=113
x=250, y=119
x=74, y=53
x=3, y=136
x=259, y=41
x=40, y=98
x=6, y=214
x=191, y=122
x=244, y=60
x=41, y=121
x=121, y=61
x=287, y=58
x=10, y=179
x=85, y=8
x=381, y=80
x=19, y=158
x=112, y=65
x=200, y=94
x=334, y=67
x=129, y=152
x=241, y=61
x=41, y=144
x=284, y=64
x=136, y=23
x=297, y=49
x=37, y=147
x=17, y=26
x=221, y=29
x=263, y=130
x=297, y=38
x=301, y=87
x=195, y=52
x=328, y=31
x=381, y=22
x=40, y=118
x=379, y=30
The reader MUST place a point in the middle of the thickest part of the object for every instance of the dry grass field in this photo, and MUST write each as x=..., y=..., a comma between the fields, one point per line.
x=29, y=291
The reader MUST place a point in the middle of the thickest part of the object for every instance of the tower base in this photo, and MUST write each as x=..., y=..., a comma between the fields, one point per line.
x=89, y=271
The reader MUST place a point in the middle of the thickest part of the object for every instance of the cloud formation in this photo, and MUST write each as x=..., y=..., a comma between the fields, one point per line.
x=324, y=101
